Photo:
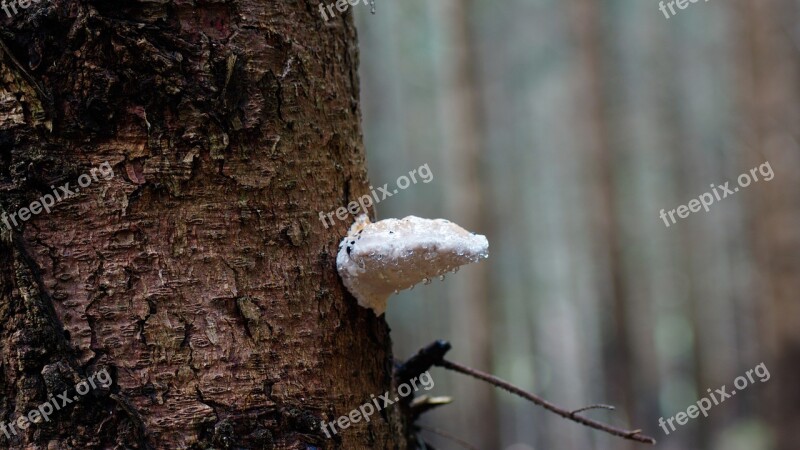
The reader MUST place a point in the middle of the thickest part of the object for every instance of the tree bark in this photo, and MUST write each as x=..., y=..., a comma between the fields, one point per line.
x=199, y=275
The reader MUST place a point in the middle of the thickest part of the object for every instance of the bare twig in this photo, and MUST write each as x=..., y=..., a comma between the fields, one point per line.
x=634, y=435
x=427, y=356
x=448, y=436
x=597, y=406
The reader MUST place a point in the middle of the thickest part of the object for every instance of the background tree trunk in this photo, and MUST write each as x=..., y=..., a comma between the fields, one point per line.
x=200, y=275
x=770, y=99
x=469, y=299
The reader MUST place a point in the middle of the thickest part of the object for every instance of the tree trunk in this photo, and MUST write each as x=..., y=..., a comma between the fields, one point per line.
x=200, y=275
x=618, y=351
x=770, y=97
x=464, y=160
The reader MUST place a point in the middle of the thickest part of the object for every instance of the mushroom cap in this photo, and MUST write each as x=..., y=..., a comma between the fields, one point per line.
x=381, y=258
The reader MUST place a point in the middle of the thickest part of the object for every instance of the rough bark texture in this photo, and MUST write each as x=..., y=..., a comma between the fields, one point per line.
x=200, y=275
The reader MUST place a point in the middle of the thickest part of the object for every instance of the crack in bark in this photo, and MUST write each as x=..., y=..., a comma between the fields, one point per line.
x=134, y=417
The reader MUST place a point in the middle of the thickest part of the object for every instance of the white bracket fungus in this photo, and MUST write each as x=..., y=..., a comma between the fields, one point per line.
x=388, y=256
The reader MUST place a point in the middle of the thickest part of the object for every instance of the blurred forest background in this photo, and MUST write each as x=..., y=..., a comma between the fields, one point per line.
x=560, y=128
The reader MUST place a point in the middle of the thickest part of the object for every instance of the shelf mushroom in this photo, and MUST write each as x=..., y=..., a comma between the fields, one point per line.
x=388, y=256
